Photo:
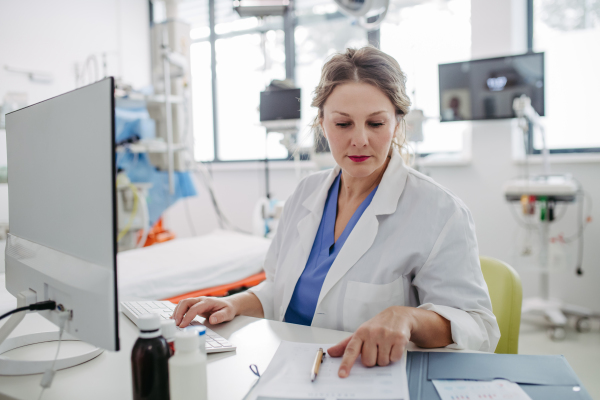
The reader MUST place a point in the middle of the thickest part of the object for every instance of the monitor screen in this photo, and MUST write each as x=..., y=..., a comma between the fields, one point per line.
x=485, y=89
x=280, y=104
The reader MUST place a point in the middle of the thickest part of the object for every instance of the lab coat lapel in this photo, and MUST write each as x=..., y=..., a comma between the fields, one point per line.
x=307, y=230
x=363, y=235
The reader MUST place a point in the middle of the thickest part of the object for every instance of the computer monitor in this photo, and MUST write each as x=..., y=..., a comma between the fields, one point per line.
x=62, y=239
x=485, y=89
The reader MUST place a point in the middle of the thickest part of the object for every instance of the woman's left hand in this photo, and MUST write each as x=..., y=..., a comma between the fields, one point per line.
x=382, y=339
x=379, y=341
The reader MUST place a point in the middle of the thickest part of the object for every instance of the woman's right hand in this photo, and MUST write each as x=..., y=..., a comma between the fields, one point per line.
x=214, y=309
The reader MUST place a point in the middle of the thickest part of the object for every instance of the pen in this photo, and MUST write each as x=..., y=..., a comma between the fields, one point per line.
x=317, y=364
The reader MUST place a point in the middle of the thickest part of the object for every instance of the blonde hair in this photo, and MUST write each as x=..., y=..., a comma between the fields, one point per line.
x=369, y=65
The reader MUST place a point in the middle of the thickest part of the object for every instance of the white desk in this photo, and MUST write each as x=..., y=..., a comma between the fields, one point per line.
x=108, y=377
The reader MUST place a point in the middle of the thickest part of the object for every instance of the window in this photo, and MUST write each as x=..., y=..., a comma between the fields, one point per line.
x=250, y=53
x=245, y=66
x=420, y=37
x=202, y=101
x=569, y=34
x=318, y=36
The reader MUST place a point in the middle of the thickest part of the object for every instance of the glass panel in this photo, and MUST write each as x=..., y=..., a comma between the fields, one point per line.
x=314, y=44
x=420, y=37
x=569, y=34
x=246, y=64
x=202, y=102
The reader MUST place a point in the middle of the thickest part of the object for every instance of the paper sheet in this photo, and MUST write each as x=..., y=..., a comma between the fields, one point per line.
x=475, y=390
x=288, y=377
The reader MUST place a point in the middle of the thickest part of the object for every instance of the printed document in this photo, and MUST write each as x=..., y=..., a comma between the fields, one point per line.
x=496, y=389
x=288, y=377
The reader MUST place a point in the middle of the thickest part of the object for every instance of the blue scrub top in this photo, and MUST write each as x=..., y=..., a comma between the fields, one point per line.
x=324, y=251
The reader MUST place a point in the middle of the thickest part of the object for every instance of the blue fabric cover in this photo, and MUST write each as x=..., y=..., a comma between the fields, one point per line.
x=324, y=251
x=130, y=123
x=133, y=122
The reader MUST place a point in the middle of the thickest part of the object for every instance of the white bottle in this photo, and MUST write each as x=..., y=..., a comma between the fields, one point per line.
x=187, y=368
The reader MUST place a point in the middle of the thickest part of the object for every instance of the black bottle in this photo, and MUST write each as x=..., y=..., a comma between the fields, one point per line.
x=150, y=361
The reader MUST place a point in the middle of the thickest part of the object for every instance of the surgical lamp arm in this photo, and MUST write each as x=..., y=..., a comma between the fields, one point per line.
x=527, y=114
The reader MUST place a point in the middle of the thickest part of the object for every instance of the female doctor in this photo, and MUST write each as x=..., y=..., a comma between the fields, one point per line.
x=371, y=247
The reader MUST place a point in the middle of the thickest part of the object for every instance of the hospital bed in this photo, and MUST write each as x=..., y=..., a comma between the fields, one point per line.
x=216, y=264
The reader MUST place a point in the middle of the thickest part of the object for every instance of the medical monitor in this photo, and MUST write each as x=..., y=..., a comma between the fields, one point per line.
x=282, y=104
x=62, y=240
x=485, y=89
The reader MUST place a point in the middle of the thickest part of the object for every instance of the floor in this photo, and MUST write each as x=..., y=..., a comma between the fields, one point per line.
x=582, y=350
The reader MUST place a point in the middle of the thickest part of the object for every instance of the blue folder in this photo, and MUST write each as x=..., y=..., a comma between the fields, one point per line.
x=541, y=377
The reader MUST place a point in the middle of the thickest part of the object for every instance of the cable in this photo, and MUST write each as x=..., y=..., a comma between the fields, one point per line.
x=187, y=211
x=42, y=305
x=48, y=376
x=579, y=270
x=145, y=222
x=133, y=213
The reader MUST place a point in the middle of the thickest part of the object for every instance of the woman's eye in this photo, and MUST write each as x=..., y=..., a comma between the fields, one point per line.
x=376, y=124
x=343, y=124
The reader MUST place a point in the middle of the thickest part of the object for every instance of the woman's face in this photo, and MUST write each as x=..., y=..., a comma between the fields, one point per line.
x=359, y=122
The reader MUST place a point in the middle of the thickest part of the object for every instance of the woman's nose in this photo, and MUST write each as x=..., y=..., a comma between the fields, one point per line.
x=359, y=139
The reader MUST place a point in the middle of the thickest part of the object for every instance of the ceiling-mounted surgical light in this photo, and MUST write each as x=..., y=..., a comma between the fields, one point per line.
x=362, y=10
x=260, y=8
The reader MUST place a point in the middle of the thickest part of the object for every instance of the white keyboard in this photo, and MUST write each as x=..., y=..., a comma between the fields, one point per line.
x=133, y=309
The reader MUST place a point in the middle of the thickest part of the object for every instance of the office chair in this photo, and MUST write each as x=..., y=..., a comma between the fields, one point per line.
x=506, y=294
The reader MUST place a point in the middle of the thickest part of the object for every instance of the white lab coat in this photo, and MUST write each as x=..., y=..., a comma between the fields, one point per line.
x=413, y=246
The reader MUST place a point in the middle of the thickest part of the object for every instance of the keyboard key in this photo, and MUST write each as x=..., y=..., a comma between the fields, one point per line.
x=214, y=342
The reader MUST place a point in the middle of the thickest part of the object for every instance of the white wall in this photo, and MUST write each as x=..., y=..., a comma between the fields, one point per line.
x=498, y=28
x=51, y=36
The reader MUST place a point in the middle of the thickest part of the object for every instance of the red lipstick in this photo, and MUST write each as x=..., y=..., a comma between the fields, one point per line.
x=359, y=158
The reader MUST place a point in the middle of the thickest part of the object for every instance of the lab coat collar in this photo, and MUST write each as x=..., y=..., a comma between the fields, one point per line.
x=391, y=186
x=387, y=196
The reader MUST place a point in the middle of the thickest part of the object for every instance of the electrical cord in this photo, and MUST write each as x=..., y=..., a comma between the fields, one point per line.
x=186, y=204
x=48, y=376
x=581, y=224
x=133, y=213
x=42, y=305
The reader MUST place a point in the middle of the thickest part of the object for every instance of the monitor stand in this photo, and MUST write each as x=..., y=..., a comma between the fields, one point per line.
x=13, y=367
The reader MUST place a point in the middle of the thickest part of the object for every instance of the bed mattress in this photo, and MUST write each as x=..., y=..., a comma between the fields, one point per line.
x=185, y=265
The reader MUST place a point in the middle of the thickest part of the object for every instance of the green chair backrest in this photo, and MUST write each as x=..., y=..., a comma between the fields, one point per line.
x=506, y=293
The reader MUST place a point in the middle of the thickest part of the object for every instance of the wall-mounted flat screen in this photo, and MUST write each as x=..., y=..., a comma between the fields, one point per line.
x=485, y=89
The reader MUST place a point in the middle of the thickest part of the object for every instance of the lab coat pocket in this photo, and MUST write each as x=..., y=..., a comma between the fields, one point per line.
x=363, y=301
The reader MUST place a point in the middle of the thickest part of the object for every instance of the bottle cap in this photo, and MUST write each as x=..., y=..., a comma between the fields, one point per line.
x=197, y=329
x=168, y=328
x=186, y=341
x=148, y=322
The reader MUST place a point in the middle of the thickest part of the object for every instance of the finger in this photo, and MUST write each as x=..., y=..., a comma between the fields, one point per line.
x=351, y=353
x=174, y=310
x=197, y=309
x=383, y=353
x=397, y=352
x=369, y=354
x=223, y=315
x=338, y=349
x=181, y=309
